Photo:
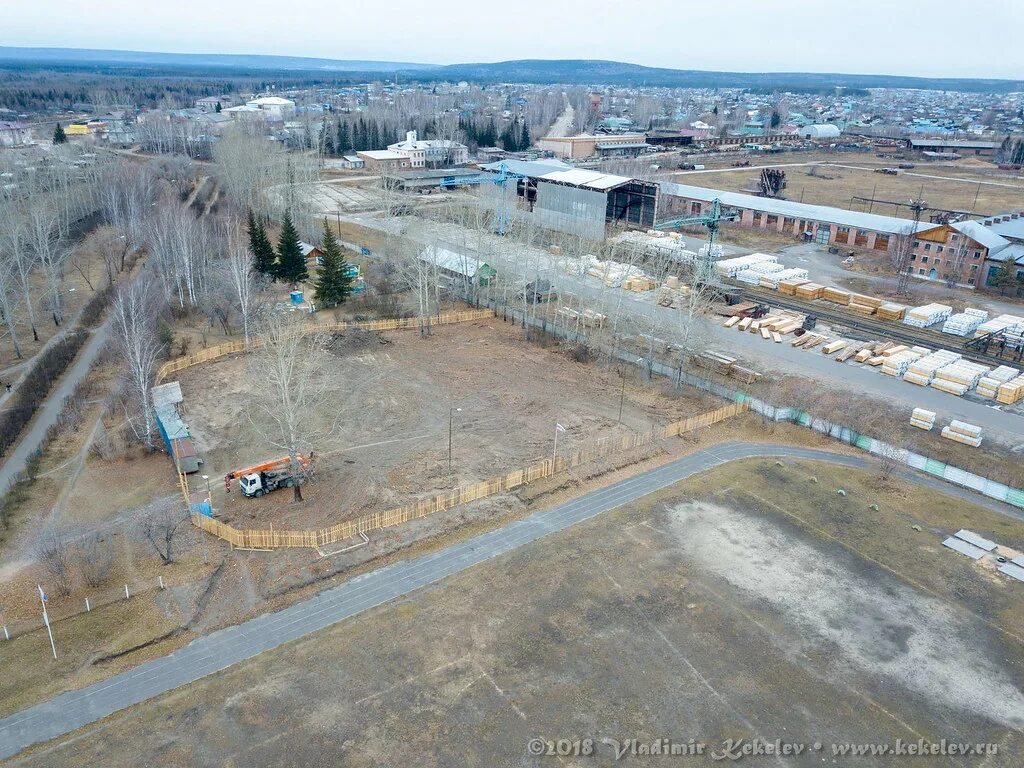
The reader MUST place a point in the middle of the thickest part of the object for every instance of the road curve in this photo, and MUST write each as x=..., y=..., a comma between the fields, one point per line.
x=224, y=648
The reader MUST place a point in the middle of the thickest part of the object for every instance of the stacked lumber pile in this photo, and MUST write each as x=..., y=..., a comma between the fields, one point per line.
x=834, y=346
x=922, y=419
x=922, y=370
x=1012, y=391
x=754, y=272
x=725, y=366
x=962, y=432
x=960, y=377
x=836, y=295
x=809, y=291
x=732, y=267
x=789, y=286
x=772, y=280
x=965, y=323
x=988, y=385
x=927, y=314
x=889, y=310
x=896, y=360
x=999, y=323
x=809, y=339
x=639, y=284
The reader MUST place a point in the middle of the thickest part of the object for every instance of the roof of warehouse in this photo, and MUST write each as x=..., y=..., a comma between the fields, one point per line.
x=979, y=233
x=623, y=145
x=841, y=216
x=1013, y=229
x=532, y=168
x=954, y=143
x=459, y=263
x=590, y=179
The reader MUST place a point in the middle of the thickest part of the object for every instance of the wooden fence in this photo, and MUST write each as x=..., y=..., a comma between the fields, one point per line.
x=390, y=324
x=272, y=539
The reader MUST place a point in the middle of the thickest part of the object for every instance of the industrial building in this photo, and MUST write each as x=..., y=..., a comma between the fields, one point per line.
x=427, y=180
x=820, y=223
x=576, y=201
x=944, y=146
x=430, y=153
x=383, y=160
x=970, y=253
x=601, y=145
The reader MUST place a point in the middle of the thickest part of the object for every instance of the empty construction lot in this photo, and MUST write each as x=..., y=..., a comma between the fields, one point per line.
x=750, y=602
x=397, y=392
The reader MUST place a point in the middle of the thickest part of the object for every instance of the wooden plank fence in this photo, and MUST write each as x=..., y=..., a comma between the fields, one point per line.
x=390, y=324
x=273, y=539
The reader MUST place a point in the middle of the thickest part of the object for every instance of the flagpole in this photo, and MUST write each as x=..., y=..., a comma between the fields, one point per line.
x=46, y=620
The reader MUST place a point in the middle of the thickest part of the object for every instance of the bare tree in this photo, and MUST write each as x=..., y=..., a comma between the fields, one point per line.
x=50, y=252
x=289, y=408
x=55, y=557
x=244, y=281
x=162, y=530
x=95, y=559
x=8, y=282
x=134, y=318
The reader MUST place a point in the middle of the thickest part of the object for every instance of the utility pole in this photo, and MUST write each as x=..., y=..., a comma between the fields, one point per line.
x=903, y=267
x=451, y=418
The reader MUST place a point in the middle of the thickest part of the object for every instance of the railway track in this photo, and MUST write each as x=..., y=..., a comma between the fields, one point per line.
x=866, y=328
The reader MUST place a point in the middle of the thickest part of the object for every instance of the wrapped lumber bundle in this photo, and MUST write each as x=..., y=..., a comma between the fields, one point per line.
x=836, y=295
x=922, y=419
x=962, y=432
x=809, y=291
x=922, y=370
x=865, y=300
x=888, y=310
x=897, y=364
x=1012, y=391
x=964, y=323
x=789, y=287
x=988, y=385
x=999, y=323
x=927, y=314
x=772, y=280
x=960, y=377
x=732, y=267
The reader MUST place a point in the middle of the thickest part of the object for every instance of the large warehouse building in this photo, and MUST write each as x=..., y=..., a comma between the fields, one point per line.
x=576, y=201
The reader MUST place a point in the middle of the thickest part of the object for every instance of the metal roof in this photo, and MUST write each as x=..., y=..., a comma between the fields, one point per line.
x=972, y=538
x=590, y=179
x=459, y=263
x=532, y=168
x=952, y=144
x=973, y=552
x=623, y=145
x=1013, y=571
x=1013, y=228
x=857, y=219
x=167, y=394
x=981, y=234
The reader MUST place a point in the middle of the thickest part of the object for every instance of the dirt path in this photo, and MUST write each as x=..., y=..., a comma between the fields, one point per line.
x=562, y=123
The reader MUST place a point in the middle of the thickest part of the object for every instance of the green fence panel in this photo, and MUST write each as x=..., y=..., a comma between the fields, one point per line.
x=863, y=441
x=1015, y=497
x=933, y=467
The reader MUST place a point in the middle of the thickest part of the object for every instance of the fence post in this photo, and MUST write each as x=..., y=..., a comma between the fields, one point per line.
x=161, y=580
x=88, y=608
x=126, y=595
x=7, y=635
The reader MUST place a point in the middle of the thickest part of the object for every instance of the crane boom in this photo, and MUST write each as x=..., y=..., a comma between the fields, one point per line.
x=711, y=221
x=499, y=179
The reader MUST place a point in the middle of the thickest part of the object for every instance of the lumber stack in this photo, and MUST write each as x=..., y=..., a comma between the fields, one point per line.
x=922, y=370
x=962, y=432
x=834, y=346
x=639, y=284
x=896, y=364
x=1012, y=391
x=988, y=385
x=836, y=295
x=922, y=419
x=809, y=290
x=999, y=323
x=732, y=267
x=789, y=287
x=960, y=377
x=889, y=310
x=965, y=323
x=753, y=273
x=927, y=314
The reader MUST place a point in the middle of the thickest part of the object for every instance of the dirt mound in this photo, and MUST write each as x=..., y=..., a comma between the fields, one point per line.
x=354, y=341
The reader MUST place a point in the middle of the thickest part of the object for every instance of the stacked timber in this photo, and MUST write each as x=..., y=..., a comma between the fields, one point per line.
x=789, y=287
x=809, y=291
x=772, y=280
x=962, y=432
x=1012, y=391
x=960, y=377
x=896, y=364
x=732, y=267
x=834, y=346
x=889, y=310
x=922, y=370
x=965, y=323
x=927, y=314
x=922, y=419
x=988, y=385
x=999, y=323
x=639, y=283
x=754, y=272
x=836, y=295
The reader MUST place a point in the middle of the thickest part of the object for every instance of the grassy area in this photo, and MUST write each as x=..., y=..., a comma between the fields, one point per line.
x=746, y=603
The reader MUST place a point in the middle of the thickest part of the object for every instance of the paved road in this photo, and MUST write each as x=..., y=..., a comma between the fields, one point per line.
x=224, y=648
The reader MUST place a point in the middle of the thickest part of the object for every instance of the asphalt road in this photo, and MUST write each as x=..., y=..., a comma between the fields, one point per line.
x=219, y=650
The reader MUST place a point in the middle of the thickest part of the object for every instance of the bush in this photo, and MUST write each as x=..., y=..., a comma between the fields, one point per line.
x=93, y=310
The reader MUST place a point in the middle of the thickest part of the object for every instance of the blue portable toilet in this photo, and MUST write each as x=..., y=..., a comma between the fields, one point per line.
x=296, y=297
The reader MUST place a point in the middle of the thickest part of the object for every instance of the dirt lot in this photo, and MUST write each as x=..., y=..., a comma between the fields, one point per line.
x=747, y=603
x=396, y=392
x=946, y=185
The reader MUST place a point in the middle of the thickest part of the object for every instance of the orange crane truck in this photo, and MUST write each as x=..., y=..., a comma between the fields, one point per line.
x=269, y=475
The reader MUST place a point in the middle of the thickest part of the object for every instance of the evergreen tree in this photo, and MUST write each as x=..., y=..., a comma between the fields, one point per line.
x=59, y=137
x=374, y=136
x=333, y=281
x=524, y=139
x=344, y=144
x=263, y=257
x=217, y=108
x=291, y=264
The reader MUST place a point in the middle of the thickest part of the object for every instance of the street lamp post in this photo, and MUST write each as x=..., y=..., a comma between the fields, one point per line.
x=451, y=418
x=622, y=394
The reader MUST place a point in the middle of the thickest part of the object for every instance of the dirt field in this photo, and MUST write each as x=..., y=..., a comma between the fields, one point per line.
x=396, y=393
x=947, y=185
x=749, y=603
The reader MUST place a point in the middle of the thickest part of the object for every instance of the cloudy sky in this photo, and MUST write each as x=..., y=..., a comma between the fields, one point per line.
x=911, y=37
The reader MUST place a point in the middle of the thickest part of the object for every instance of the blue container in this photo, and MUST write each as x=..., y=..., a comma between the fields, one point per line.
x=296, y=297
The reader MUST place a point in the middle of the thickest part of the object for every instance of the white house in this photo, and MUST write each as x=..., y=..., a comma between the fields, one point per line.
x=274, y=107
x=430, y=152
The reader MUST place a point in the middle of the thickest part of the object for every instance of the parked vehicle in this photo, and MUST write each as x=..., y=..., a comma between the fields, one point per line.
x=268, y=476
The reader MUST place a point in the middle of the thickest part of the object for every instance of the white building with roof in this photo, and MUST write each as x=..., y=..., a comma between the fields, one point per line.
x=274, y=107
x=430, y=152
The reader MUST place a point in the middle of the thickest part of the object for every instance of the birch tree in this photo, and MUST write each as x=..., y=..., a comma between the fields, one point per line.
x=134, y=318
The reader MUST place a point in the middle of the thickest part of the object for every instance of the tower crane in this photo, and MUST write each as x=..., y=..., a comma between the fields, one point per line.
x=500, y=179
x=705, y=265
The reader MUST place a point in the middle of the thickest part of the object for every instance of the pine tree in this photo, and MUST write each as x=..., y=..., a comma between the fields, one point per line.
x=217, y=108
x=59, y=137
x=524, y=139
x=333, y=281
x=344, y=143
x=291, y=264
x=263, y=257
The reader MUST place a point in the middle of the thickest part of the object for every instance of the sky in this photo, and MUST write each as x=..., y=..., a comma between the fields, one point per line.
x=904, y=37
